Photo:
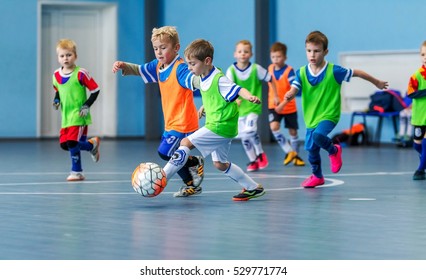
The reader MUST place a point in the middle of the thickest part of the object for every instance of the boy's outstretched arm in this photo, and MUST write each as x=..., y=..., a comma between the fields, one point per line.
x=363, y=75
x=248, y=96
x=126, y=68
x=287, y=98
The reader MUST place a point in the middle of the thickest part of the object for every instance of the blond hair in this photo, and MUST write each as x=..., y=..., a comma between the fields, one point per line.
x=424, y=44
x=199, y=49
x=165, y=33
x=318, y=38
x=67, y=44
x=246, y=43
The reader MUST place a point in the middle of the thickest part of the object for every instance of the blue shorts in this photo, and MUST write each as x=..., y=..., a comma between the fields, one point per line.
x=170, y=141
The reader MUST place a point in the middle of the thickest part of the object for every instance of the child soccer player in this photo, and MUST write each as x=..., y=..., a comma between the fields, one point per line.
x=70, y=83
x=283, y=74
x=249, y=76
x=177, y=98
x=221, y=126
x=417, y=91
x=320, y=83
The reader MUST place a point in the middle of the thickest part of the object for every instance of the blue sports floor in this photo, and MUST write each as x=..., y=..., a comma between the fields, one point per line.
x=371, y=210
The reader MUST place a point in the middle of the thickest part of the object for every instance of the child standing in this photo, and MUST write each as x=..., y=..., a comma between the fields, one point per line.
x=417, y=91
x=320, y=83
x=177, y=99
x=70, y=83
x=218, y=94
x=283, y=74
x=249, y=76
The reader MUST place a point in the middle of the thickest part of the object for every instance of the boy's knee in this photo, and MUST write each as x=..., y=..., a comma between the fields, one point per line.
x=275, y=126
x=72, y=144
x=221, y=166
x=248, y=133
x=185, y=142
x=64, y=146
x=317, y=137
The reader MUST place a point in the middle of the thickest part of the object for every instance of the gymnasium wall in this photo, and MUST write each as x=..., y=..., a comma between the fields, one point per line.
x=350, y=26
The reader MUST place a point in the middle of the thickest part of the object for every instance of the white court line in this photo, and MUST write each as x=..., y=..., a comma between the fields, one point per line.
x=333, y=182
x=362, y=199
x=210, y=177
x=256, y=174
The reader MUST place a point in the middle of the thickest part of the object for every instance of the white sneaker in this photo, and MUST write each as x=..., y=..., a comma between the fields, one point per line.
x=75, y=176
x=197, y=172
x=94, y=153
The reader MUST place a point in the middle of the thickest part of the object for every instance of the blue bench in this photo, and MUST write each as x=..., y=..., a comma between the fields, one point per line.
x=394, y=116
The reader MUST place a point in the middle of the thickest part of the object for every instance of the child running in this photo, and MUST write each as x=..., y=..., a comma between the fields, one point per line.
x=219, y=95
x=249, y=76
x=70, y=82
x=176, y=84
x=320, y=83
x=283, y=75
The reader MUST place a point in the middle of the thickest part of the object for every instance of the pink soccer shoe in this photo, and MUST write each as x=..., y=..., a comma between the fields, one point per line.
x=336, y=159
x=313, y=181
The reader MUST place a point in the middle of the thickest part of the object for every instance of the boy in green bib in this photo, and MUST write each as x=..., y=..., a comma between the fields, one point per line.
x=249, y=76
x=218, y=95
x=320, y=83
x=417, y=91
x=70, y=83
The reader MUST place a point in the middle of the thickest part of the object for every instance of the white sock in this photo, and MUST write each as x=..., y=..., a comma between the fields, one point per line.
x=178, y=160
x=402, y=125
x=257, y=144
x=294, y=141
x=249, y=149
x=237, y=174
x=285, y=146
x=409, y=128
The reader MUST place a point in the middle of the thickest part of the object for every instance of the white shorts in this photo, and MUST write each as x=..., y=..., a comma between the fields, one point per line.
x=208, y=142
x=247, y=126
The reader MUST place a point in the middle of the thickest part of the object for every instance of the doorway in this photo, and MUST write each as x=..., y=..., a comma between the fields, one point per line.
x=93, y=26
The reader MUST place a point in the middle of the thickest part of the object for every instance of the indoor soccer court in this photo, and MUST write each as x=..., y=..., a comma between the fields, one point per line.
x=371, y=210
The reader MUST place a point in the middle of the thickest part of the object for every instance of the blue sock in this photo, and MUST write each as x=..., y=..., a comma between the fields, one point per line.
x=423, y=156
x=315, y=161
x=85, y=145
x=75, y=159
x=418, y=147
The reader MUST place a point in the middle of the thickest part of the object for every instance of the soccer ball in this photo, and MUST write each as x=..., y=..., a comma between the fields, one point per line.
x=149, y=179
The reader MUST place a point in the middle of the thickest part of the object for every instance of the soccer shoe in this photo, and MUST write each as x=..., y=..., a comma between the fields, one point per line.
x=298, y=161
x=245, y=194
x=336, y=159
x=313, y=181
x=262, y=161
x=94, y=153
x=252, y=166
x=188, y=191
x=75, y=176
x=290, y=157
x=197, y=172
x=419, y=175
